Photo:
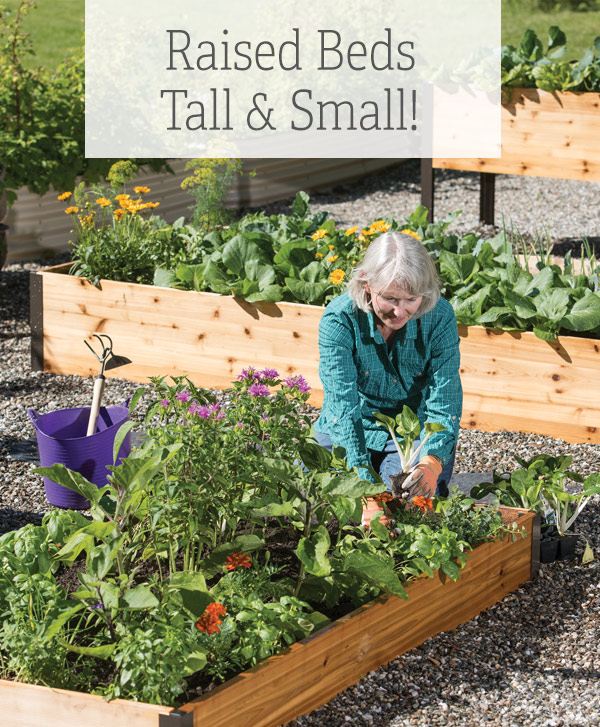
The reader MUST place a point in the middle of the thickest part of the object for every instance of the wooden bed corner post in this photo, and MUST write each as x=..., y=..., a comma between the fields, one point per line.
x=176, y=718
x=427, y=186
x=487, y=188
x=36, y=320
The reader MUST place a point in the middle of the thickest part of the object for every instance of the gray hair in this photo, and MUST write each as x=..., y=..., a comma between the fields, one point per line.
x=394, y=258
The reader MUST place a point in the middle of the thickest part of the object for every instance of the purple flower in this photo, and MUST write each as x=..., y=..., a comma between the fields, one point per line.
x=265, y=418
x=203, y=412
x=165, y=403
x=97, y=606
x=219, y=415
x=258, y=390
x=296, y=381
x=183, y=396
x=269, y=374
x=239, y=425
x=249, y=373
x=214, y=408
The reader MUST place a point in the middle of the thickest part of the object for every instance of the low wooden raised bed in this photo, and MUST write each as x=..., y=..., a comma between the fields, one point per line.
x=313, y=671
x=511, y=381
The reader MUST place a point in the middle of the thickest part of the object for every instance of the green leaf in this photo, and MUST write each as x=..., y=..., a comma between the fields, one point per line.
x=196, y=661
x=588, y=554
x=195, y=601
x=307, y=292
x=300, y=205
x=351, y=486
x=99, y=560
x=72, y=481
x=315, y=457
x=451, y=569
x=100, y=652
x=55, y=626
x=552, y=304
x=584, y=314
x=122, y=432
x=372, y=569
x=312, y=552
x=270, y=294
x=238, y=252
x=457, y=269
x=140, y=597
x=165, y=278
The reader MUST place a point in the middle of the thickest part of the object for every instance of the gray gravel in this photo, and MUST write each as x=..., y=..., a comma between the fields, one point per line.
x=534, y=658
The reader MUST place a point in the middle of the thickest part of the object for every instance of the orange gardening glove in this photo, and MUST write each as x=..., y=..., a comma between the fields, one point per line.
x=373, y=506
x=423, y=477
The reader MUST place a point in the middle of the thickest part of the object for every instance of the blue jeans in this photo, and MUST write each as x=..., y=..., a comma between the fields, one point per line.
x=387, y=462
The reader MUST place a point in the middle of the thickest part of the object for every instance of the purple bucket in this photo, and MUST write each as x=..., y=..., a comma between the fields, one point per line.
x=61, y=437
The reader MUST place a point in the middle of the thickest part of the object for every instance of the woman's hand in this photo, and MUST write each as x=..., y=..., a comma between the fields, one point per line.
x=423, y=477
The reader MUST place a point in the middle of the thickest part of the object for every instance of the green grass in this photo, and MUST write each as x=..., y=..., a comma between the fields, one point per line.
x=580, y=27
x=56, y=28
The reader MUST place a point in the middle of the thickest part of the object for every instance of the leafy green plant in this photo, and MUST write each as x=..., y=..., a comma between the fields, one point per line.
x=42, y=114
x=530, y=66
x=408, y=428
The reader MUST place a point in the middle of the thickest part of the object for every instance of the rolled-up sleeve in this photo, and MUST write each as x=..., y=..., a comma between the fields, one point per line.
x=338, y=373
x=443, y=401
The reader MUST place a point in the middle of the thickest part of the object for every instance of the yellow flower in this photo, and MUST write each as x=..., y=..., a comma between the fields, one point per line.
x=103, y=202
x=351, y=231
x=361, y=237
x=354, y=262
x=72, y=210
x=318, y=255
x=369, y=232
x=332, y=259
x=141, y=190
x=379, y=226
x=121, y=197
x=151, y=205
x=331, y=247
x=118, y=214
x=64, y=195
x=411, y=233
x=319, y=234
x=337, y=276
x=87, y=221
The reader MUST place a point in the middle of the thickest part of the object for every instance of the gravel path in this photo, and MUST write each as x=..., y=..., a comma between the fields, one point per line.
x=532, y=659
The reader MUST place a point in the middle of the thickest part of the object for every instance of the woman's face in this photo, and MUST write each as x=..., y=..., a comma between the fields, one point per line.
x=394, y=306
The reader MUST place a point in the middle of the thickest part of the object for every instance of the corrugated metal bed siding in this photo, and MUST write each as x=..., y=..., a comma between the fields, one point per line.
x=38, y=225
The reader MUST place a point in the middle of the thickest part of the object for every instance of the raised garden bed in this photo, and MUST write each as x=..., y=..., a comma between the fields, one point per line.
x=511, y=381
x=310, y=672
x=544, y=134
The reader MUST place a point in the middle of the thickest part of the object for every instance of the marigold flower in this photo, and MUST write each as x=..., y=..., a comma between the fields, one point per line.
x=141, y=190
x=423, y=503
x=384, y=497
x=337, y=276
x=65, y=195
x=211, y=619
x=103, y=202
x=351, y=231
x=332, y=259
x=238, y=560
x=411, y=233
x=319, y=234
x=72, y=210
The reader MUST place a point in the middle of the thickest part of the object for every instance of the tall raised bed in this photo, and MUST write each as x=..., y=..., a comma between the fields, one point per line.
x=511, y=380
x=311, y=672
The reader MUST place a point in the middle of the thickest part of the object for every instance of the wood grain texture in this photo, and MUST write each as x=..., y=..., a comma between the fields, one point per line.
x=544, y=135
x=511, y=381
x=312, y=672
x=27, y=705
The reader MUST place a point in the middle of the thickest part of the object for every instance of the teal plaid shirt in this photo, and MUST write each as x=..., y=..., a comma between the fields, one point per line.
x=360, y=375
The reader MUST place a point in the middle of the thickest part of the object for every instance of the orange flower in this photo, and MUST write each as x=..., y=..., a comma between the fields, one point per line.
x=332, y=259
x=411, y=233
x=319, y=234
x=384, y=497
x=211, y=619
x=118, y=214
x=423, y=503
x=141, y=190
x=319, y=255
x=64, y=195
x=238, y=560
x=351, y=231
x=72, y=210
x=103, y=202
